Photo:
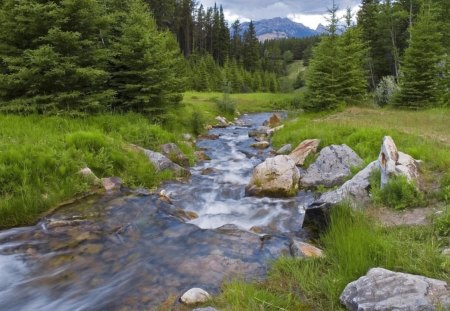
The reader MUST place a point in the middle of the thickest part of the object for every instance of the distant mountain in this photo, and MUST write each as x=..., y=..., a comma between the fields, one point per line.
x=321, y=29
x=278, y=28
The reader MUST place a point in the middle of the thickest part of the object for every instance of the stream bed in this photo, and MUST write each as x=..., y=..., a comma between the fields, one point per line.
x=130, y=251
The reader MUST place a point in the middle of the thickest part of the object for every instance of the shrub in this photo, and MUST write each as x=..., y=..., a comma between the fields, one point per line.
x=443, y=223
x=385, y=91
x=399, y=193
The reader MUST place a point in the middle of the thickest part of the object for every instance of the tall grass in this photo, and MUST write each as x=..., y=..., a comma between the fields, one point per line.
x=40, y=157
x=353, y=245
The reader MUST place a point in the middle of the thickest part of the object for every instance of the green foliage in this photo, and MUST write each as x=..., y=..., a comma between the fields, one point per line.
x=83, y=57
x=445, y=188
x=226, y=105
x=336, y=72
x=399, y=193
x=385, y=91
x=442, y=223
x=420, y=82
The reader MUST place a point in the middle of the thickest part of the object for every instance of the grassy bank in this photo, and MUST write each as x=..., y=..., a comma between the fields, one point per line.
x=40, y=157
x=355, y=242
x=353, y=245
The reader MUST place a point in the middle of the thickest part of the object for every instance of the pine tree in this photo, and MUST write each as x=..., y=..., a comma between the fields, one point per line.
x=251, y=49
x=53, y=56
x=146, y=64
x=420, y=81
x=322, y=80
x=352, y=55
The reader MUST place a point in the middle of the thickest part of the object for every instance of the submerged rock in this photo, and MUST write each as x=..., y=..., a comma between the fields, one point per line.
x=384, y=290
x=261, y=145
x=259, y=132
x=174, y=153
x=195, y=296
x=276, y=177
x=303, y=150
x=331, y=167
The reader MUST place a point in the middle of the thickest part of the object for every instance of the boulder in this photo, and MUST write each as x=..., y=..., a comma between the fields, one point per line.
x=222, y=121
x=260, y=131
x=261, y=145
x=174, y=153
x=274, y=120
x=395, y=163
x=331, y=167
x=284, y=149
x=302, y=249
x=388, y=159
x=205, y=309
x=195, y=296
x=356, y=190
x=384, y=290
x=112, y=183
x=303, y=150
x=162, y=163
x=276, y=177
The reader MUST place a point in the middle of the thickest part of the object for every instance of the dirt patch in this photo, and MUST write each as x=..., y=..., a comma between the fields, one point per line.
x=410, y=217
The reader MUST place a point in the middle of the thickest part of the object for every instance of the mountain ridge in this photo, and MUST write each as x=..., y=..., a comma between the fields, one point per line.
x=278, y=28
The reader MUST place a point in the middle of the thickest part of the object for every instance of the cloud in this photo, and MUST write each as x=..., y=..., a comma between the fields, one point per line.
x=308, y=12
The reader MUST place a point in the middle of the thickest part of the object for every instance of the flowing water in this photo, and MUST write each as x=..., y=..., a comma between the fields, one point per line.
x=125, y=251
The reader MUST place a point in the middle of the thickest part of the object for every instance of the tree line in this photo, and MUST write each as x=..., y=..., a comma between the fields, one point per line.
x=398, y=49
x=85, y=57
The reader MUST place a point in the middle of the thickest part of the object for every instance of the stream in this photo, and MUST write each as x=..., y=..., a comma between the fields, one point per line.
x=132, y=251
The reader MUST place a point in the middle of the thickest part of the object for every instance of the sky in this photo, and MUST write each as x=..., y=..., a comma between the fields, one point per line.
x=308, y=12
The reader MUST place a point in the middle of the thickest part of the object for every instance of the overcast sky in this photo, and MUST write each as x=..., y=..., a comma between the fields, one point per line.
x=307, y=12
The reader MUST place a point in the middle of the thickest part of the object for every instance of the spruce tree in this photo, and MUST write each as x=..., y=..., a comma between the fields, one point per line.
x=422, y=64
x=322, y=79
x=352, y=56
x=146, y=64
x=54, y=56
x=251, y=49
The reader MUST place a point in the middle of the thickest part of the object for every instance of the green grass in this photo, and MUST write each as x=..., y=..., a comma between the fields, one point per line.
x=353, y=245
x=40, y=157
x=363, y=129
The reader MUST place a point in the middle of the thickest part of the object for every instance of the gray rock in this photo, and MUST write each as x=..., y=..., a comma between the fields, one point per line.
x=112, y=183
x=384, y=290
x=276, y=177
x=388, y=159
x=284, y=149
x=195, y=296
x=331, y=167
x=88, y=174
x=356, y=190
x=303, y=150
x=395, y=163
x=174, y=153
x=162, y=163
x=260, y=131
x=205, y=309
